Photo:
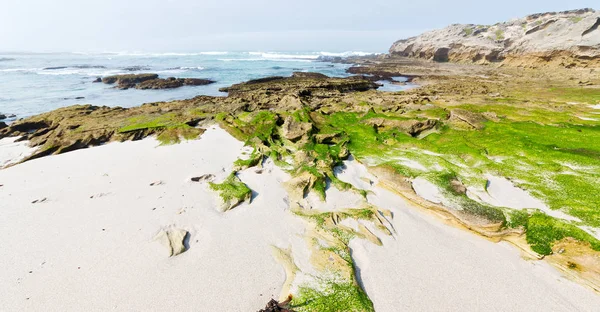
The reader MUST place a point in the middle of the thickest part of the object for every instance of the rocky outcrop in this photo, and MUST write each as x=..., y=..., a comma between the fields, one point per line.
x=151, y=81
x=294, y=130
x=568, y=39
x=171, y=83
x=128, y=81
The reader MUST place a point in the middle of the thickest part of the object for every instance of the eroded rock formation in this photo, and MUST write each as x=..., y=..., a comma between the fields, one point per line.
x=569, y=39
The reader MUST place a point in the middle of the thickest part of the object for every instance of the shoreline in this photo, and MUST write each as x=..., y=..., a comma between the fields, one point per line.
x=288, y=122
x=122, y=194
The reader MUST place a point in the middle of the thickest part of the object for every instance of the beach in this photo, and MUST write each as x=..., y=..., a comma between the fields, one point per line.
x=81, y=232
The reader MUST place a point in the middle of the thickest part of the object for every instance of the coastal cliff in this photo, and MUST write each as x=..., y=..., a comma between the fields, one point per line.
x=569, y=39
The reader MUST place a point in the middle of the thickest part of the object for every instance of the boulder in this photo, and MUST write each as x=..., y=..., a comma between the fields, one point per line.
x=2, y=125
x=294, y=130
x=2, y=116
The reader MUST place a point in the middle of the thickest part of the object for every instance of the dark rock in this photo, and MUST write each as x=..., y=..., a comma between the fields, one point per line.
x=441, y=55
x=2, y=116
x=172, y=82
x=2, y=125
x=309, y=75
x=128, y=80
x=168, y=83
x=274, y=306
x=54, y=68
x=197, y=82
x=202, y=178
x=98, y=80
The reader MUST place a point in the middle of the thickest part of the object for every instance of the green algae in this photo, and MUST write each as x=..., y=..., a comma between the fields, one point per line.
x=334, y=291
x=170, y=127
x=150, y=122
x=332, y=297
x=504, y=148
x=543, y=231
x=232, y=189
x=542, y=148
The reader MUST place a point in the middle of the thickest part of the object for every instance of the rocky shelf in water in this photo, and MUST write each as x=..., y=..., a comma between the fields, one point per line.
x=151, y=81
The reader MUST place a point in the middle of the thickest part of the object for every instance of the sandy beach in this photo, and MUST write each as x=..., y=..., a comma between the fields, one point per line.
x=79, y=234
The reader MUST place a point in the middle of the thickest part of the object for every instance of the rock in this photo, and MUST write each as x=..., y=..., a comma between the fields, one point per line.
x=2, y=116
x=39, y=201
x=309, y=75
x=568, y=39
x=97, y=80
x=127, y=81
x=290, y=103
x=2, y=125
x=328, y=138
x=471, y=119
x=274, y=306
x=203, y=178
x=197, y=82
x=392, y=179
x=151, y=81
x=458, y=187
x=411, y=127
x=298, y=187
x=172, y=82
x=294, y=130
x=160, y=84
x=173, y=239
x=419, y=127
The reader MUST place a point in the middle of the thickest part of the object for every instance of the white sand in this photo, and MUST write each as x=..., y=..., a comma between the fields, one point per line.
x=98, y=254
x=503, y=193
x=78, y=266
x=428, y=190
x=11, y=152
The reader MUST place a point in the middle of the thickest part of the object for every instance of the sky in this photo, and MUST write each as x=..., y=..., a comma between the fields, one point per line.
x=243, y=25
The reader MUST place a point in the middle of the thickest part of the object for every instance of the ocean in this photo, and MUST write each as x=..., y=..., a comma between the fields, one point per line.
x=31, y=83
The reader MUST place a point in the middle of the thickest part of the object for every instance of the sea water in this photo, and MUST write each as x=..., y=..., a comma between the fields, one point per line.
x=31, y=83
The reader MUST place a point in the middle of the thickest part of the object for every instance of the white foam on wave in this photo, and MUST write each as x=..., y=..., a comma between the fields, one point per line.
x=348, y=53
x=127, y=53
x=11, y=70
x=263, y=59
x=192, y=68
x=290, y=56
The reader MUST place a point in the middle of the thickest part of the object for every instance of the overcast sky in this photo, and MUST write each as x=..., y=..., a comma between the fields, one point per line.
x=243, y=25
